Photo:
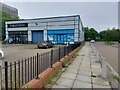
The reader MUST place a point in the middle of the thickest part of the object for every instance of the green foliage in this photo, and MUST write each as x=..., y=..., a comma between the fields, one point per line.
x=6, y=17
x=90, y=34
x=117, y=78
x=110, y=35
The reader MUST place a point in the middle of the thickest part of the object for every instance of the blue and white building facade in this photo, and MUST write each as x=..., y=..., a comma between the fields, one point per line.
x=59, y=30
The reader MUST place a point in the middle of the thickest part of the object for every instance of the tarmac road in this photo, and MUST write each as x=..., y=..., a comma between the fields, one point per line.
x=109, y=52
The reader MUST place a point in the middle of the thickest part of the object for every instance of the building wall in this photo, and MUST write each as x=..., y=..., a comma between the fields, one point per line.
x=47, y=25
x=8, y=9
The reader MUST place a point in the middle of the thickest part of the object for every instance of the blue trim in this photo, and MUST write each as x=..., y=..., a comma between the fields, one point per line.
x=61, y=36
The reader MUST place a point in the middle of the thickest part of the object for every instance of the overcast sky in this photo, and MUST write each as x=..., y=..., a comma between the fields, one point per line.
x=99, y=15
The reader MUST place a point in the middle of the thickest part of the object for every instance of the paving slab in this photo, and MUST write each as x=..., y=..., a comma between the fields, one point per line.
x=101, y=86
x=96, y=65
x=86, y=57
x=96, y=68
x=73, y=66
x=83, y=78
x=65, y=82
x=85, y=66
x=100, y=81
x=97, y=74
x=68, y=75
x=85, y=73
x=96, y=71
x=93, y=59
x=72, y=70
x=76, y=64
x=85, y=69
x=80, y=84
x=79, y=58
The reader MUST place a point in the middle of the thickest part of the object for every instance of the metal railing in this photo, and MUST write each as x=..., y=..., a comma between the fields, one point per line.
x=15, y=75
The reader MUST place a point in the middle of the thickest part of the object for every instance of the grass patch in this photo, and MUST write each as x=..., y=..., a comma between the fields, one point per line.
x=52, y=79
x=117, y=78
x=109, y=43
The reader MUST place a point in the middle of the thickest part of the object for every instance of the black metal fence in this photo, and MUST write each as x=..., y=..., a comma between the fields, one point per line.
x=15, y=75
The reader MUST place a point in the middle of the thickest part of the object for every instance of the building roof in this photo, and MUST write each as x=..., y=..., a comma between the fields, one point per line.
x=45, y=18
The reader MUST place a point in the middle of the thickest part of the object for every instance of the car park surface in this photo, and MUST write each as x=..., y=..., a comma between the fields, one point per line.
x=15, y=52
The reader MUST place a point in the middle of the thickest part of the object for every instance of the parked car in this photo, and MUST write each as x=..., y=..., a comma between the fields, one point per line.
x=45, y=44
x=1, y=54
x=92, y=41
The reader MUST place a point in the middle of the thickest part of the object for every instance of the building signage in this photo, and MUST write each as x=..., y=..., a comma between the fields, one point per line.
x=17, y=25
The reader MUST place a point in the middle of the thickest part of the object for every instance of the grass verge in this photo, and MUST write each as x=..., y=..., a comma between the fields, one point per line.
x=109, y=43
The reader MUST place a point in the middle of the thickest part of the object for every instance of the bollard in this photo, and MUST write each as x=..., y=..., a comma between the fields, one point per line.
x=0, y=78
x=104, y=69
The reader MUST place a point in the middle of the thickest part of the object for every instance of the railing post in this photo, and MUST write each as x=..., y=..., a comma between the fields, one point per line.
x=37, y=65
x=64, y=51
x=68, y=49
x=59, y=55
x=51, y=58
x=15, y=75
x=0, y=78
x=6, y=75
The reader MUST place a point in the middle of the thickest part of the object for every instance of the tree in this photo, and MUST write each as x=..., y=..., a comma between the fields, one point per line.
x=90, y=33
x=110, y=34
x=6, y=17
x=93, y=34
x=87, y=33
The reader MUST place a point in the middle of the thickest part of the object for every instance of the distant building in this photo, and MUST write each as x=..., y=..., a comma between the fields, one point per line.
x=119, y=14
x=8, y=9
x=58, y=30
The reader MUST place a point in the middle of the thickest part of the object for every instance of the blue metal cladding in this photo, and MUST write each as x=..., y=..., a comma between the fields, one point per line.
x=61, y=36
x=37, y=36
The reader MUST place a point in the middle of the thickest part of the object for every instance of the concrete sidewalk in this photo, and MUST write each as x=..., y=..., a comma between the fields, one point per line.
x=83, y=72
